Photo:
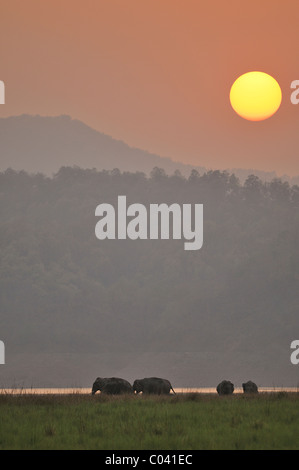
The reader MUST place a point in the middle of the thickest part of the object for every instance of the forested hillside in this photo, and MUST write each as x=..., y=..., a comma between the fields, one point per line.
x=63, y=290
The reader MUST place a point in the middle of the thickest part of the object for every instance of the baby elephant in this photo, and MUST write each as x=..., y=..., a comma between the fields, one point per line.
x=225, y=388
x=153, y=386
x=250, y=387
x=111, y=386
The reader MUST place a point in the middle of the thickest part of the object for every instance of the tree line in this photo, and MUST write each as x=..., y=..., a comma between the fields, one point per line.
x=61, y=289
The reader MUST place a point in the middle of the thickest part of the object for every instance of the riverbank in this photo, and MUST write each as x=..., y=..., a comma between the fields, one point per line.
x=86, y=390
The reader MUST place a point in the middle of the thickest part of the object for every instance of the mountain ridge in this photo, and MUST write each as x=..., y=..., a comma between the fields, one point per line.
x=42, y=144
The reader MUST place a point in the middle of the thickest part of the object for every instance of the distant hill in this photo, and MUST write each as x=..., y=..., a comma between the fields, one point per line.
x=44, y=144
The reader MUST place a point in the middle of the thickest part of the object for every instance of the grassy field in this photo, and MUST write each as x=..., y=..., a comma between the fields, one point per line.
x=181, y=422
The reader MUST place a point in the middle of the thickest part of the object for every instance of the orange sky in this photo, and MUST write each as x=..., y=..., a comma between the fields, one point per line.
x=156, y=73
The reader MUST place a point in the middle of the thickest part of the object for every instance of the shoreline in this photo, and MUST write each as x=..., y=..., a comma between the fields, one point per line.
x=87, y=390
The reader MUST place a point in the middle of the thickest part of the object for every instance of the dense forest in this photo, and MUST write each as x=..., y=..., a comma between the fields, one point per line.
x=62, y=289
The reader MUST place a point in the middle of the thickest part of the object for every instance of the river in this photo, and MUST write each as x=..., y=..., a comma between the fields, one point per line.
x=85, y=391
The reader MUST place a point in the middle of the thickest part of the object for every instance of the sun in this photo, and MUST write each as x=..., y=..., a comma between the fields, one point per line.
x=255, y=96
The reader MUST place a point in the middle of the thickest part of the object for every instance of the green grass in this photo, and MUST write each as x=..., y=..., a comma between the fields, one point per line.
x=181, y=422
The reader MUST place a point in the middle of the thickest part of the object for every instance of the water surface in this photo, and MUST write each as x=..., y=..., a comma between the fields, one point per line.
x=84, y=391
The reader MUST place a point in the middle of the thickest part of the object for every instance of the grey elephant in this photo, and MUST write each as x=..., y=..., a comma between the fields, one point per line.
x=250, y=387
x=111, y=386
x=153, y=385
x=225, y=388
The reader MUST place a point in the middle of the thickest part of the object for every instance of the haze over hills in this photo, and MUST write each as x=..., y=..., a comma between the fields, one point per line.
x=74, y=307
x=44, y=144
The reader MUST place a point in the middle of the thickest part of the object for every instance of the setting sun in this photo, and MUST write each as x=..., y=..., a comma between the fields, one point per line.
x=255, y=96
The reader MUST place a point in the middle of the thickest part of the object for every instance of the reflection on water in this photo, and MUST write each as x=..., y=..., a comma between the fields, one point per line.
x=84, y=391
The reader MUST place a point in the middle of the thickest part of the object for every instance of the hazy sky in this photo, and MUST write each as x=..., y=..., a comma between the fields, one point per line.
x=157, y=73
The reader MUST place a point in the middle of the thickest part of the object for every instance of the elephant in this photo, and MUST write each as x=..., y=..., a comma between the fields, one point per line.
x=153, y=385
x=225, y=388
x=250, y=387
x=111, y=386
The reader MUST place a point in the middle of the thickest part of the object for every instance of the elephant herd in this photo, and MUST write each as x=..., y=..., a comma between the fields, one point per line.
x=117, y=386
x=227, y=388
x=156, y=386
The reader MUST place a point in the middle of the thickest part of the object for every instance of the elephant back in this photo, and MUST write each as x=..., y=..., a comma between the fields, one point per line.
x=117, y=387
